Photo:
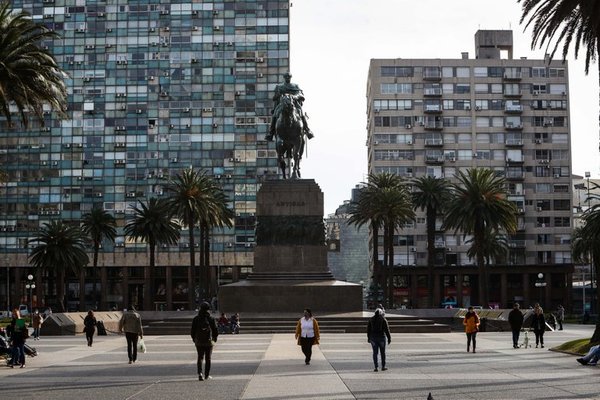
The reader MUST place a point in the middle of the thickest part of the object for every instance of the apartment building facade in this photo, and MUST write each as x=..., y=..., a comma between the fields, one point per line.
x=439, y=116
x=154, y=87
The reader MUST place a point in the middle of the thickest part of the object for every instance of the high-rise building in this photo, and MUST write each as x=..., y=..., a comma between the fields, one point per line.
x=436, y=117
x=154, y=87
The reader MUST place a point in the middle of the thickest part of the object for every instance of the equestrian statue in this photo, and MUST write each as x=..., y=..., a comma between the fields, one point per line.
x=289, y=125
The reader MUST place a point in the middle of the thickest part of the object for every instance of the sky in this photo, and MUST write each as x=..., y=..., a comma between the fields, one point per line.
x=333, y=41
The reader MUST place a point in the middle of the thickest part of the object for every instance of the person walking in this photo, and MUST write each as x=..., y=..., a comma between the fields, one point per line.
x=560, y=316
x=515, y=319
x=89, y=327
x=18, y=335
x=131, y=324
x=204, y=334
x=377, y=332
x=307, y=334
x=36, y=322
x=471, y=323
x=538, y=323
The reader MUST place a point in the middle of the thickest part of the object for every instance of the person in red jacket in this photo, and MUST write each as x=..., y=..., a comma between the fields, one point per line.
x=471, y=323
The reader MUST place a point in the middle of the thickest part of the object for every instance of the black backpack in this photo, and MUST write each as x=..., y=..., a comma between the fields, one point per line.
x=203, y=333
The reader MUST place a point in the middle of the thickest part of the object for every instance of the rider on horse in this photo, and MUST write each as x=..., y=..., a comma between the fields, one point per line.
x=288, y=88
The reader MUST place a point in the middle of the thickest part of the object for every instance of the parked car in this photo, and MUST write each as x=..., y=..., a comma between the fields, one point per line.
x=23, y=310
x=5, y=314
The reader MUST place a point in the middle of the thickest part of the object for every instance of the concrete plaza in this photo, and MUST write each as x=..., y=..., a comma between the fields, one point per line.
x=271, y=366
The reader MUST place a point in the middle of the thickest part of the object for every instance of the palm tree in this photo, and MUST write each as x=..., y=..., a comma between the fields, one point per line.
x=495, y=247
x=152, y=224
x=196, y=199
x=60, y=247
x=386, y=202
x=569, y=22
x=430, y=194
x=30, y=78
x=585, y=247
x=99, y=225
x=479, y=206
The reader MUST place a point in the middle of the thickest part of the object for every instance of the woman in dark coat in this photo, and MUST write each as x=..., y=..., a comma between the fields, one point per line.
x=538, y=323
x=89, y=327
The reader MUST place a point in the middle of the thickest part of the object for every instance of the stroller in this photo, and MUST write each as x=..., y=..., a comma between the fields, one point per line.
x=6, y=350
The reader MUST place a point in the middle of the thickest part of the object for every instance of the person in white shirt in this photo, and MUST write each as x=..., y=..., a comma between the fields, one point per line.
x=307, y=334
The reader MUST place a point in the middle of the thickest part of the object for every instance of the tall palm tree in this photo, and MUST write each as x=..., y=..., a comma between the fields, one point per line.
x=152, y=224
x=568, y=22
x=495, y=247
x=196, y=199
x=99, y=225
x=385, y=202
x=430, y=194
x=585, y=247
x=59, y=247
x=30, y=78
x=479, y=206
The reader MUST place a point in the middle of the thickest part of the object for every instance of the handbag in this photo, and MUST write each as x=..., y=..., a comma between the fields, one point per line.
x=141, y=346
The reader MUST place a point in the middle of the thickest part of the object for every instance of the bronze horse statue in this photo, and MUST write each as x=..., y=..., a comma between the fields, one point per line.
x=289, y=130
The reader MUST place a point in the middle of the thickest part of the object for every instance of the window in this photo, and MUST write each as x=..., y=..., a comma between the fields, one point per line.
x=496, y=105
x=481, y=88
x=462, y=88
x=396, y=88
x=464, y=138
x=495, y=72
x=481, y=104
x=561, y=188
x=542, y=188
x=512, y=89
x=562, y=257
x=462, y=72
x=562, y=205
x=538, y=88
x=464, y=122
x=482, y=154
x=542, y=171
x=448, y=104
x=496, y=88
x=482, y=122
x=448, y=88
x=538, y=72
x=558, y=89
x=483, y=138
x=515, y=155
x=557, y=104
x=383, y=155
x=480, y=72
x=556, y=72
x=563, y=222
x=397, y=71
x=463, y=104
x=465, y=155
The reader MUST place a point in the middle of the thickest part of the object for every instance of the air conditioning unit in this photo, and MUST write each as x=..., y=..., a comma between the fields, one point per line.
x=248, y=245
x=130, y=194
x=477, y=108
x=164, y=94
x=194, y=60
x=452, y=159
x=87, y=79
x=207, y=110
x=99, y=194
x=228, y=176
x=413, y=249
x=186, y=110
x=119, y=211
x=215, y=125
x=520, y=210
x=138, y=111
x=539, y=208
x=120, y=244
x=166, y=29
x=409, y=142
x=408, y=126
x=164, y=12
x=409, y=175
x=538, y=141
x=535, y=92
x=557, y=175
x=174, y=159
x=260, y=60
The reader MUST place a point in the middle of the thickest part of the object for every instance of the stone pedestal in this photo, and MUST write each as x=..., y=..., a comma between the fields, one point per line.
x=290, y=260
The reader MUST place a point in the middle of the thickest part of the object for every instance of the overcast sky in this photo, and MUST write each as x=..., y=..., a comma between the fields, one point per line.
x=332, y=42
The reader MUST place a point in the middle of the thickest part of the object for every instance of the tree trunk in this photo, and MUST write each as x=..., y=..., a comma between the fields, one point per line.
x=96, y=275
x=148, y=276
x=211, y=286
x=60, y=290
x=385, y=268
x=201, y=271
x=431, y=215
x=376, y=269
x=595, y=262
x=391, y=266
x=192, y=271
x=483, y=283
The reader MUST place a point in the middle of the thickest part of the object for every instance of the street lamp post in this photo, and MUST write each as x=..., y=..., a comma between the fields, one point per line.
x=541, y=284
x=30, y=286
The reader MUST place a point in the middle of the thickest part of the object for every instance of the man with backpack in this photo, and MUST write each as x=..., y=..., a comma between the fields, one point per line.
x=204, y=334
x=377, y=332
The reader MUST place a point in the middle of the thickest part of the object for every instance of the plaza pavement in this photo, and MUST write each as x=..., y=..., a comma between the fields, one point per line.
x=271, y=366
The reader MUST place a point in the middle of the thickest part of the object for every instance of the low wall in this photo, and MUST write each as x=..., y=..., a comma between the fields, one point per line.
x=59, y=324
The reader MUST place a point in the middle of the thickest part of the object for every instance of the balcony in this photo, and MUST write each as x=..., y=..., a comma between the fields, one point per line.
x=512, y=75
x=514, y=175
x=431, y=159
x=512, y=126
x=434, y=125
x=513, y=93
x=432, y=92
x=513, y=109
x=514, y=161
x=432, y=108
x=514, y=142
x=434, y=142
x=517, y=244
x=432, y=73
